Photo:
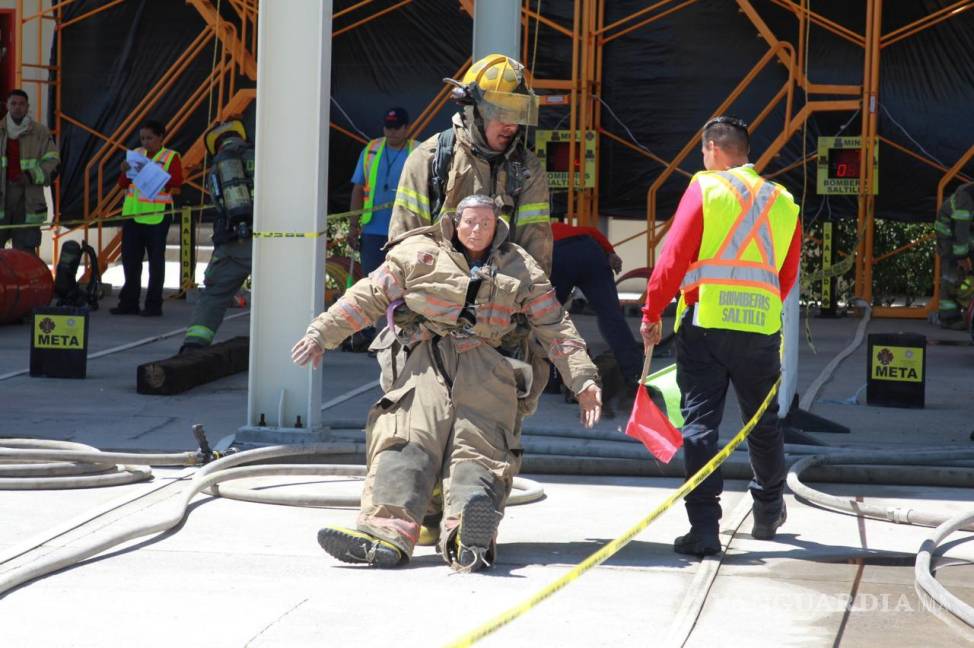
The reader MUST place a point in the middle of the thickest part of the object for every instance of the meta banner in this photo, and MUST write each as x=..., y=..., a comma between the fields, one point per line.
x=59, y=343
x=896, y=371
x=897, y=363
x=59, y=332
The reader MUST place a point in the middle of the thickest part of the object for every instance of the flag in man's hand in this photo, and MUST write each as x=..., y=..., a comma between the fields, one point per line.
x=652, y=428
x=650, y=425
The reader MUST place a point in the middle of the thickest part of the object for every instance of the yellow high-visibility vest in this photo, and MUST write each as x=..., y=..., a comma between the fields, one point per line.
x=146, y=211
x=748, y=225
x=370, y=169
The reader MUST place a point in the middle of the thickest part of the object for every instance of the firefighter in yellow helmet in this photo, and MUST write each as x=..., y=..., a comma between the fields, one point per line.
x=231, y=185
x=484, y=152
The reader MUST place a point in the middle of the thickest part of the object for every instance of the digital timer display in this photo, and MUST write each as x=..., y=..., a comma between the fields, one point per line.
x=839, y=166
x=553, y=148
x=844, y=163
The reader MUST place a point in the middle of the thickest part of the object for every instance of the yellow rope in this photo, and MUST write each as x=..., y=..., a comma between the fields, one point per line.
x=616, y=545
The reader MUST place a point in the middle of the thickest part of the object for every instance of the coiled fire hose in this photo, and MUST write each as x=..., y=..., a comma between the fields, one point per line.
x=31, y=463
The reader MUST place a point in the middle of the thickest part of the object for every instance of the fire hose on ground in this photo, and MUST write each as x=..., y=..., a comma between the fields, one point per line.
x=548, y=450
x=36, y=464
x=53, y=464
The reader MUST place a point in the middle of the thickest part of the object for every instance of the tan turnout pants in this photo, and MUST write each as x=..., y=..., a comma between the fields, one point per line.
x=450, y=416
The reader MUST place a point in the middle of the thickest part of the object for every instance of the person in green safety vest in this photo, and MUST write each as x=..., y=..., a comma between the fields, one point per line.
x=146, y=225
x=30, y=162
x=374, y=184
x=375, y=180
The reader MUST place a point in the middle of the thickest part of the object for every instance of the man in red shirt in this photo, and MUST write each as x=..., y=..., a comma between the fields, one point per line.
x=733, y=250
x=583, y=257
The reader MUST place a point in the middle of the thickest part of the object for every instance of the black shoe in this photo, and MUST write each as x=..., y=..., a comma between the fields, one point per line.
x=151, y=312
x=767, y=520
x=189, y=347
x=697, y=543
x=124, y=310
x=473, y=546
x=358, y=547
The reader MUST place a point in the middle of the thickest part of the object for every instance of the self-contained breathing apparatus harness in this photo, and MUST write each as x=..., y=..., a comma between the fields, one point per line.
x=231, y=182
x=66, y=287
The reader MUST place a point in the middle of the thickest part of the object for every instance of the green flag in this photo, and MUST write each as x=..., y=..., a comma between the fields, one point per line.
x=664, y=381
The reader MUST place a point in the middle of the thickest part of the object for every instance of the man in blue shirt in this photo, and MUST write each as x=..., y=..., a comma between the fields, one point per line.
x=375, y=180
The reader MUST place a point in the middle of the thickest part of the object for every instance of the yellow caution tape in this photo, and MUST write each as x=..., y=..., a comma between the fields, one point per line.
x=287, y=234
x=836, y=269
x=95, y=221
x=616, y=545
x=345, y=214
x=179, y=210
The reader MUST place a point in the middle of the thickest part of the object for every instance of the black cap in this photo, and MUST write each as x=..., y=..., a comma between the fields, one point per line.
x=395, y=118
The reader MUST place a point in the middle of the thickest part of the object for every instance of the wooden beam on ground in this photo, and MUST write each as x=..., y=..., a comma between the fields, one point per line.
x=197, y=367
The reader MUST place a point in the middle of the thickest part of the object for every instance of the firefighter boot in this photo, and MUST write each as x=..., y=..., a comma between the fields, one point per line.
x=429, y=532
x=472, y=548
x=359, y=547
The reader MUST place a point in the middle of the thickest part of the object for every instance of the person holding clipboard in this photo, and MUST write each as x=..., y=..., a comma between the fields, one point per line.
x=148, y=198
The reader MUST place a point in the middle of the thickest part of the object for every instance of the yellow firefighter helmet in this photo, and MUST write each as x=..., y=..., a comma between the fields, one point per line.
x=224, y=128
x=497, y=86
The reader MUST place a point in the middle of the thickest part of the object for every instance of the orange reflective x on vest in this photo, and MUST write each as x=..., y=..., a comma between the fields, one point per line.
x=748, y=225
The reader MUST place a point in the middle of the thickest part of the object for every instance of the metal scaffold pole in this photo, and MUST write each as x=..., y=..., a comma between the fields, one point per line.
x=497, y=28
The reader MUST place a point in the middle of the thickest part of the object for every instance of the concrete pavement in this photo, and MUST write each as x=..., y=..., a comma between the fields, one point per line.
x=241, y=574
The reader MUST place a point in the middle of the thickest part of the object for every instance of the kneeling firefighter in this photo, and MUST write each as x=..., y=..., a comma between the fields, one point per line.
x=450, y=412
x=231, y=186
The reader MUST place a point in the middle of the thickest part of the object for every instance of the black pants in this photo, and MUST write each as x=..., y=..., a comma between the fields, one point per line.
x=579, y=261
x=139, y=240
x=707, y=361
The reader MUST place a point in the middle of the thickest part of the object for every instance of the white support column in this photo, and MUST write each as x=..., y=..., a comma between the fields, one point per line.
x=791, y=336
x=497, y=28
x=293, y=86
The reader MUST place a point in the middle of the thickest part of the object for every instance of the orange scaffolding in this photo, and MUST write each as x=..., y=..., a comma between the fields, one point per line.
x=590, y=35
x=233, y=47
x=234, y=44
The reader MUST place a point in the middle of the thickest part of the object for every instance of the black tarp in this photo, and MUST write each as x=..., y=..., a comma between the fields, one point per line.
x=110, y=61
x=662, y=81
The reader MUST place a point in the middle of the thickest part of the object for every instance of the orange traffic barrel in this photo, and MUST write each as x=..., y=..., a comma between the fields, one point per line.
x=25, y=284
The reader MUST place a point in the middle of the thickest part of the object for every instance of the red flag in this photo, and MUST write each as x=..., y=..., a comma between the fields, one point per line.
x=652, y=428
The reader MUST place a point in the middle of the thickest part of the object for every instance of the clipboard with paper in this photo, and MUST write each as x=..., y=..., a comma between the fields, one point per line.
x=151, y=180
x=136, y=162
